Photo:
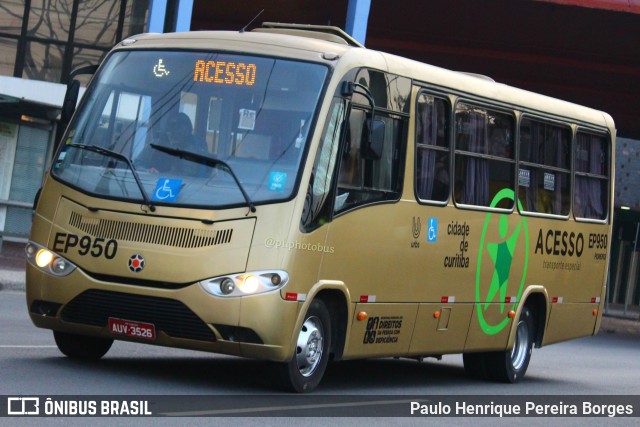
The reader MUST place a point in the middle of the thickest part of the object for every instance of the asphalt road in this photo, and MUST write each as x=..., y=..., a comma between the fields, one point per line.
x=30, y=364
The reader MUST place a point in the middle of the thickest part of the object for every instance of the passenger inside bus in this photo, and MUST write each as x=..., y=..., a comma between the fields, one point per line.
x=177, y=134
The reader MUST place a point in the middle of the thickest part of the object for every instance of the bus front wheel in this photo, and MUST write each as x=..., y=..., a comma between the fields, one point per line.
x=305, y=369
x=82, y=346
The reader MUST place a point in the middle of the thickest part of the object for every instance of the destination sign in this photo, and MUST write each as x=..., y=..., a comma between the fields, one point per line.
x=220, y=72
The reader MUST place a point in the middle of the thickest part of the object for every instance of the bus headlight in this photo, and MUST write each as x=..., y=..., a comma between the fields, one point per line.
x=249, y=283
x=48, y=261
x=60, y=266
x=227, y=286
x=43, y=258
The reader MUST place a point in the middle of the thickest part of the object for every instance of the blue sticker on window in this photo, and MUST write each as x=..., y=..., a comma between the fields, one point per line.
x=167, y=190
x=277, y=181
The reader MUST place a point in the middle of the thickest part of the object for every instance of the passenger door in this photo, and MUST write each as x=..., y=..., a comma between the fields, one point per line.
x=367, y=232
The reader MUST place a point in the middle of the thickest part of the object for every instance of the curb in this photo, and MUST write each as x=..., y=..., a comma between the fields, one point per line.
x=12, y=280
x=620, y=326
x=12, y=266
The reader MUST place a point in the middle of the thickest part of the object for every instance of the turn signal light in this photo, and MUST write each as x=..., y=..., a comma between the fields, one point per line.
x=512, y=314
x=362, y=316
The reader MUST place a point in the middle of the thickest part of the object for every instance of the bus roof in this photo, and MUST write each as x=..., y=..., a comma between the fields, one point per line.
x=316, y=43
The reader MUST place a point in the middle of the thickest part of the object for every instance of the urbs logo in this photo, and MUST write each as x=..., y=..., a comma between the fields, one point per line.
x=497, y=275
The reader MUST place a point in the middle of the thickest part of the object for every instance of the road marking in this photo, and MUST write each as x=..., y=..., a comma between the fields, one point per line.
x=26, y=346
x=283, y=408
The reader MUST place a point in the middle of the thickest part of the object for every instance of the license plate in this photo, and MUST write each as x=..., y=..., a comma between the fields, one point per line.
x=132, y=329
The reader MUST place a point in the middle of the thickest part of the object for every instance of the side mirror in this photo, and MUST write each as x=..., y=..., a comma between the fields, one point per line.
x=71, y=99
x=372, y=139
x=73, y=89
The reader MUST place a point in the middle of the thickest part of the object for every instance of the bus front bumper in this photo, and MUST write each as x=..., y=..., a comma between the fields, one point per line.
x=251, y=326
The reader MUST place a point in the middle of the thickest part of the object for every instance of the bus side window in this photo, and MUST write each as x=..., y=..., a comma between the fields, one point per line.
x=592, y=176
x=317, y=206
x=544, y=178
x=432, y=149
x=365, y=179
x=484, y=155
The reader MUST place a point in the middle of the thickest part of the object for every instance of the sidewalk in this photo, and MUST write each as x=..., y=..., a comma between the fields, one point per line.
x=12, y=264
x=13, y=260
x=617, y=325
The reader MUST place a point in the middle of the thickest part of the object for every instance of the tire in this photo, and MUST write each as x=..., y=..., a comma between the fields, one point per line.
x=474, y=365
x=306, y=368
x=510, y=365
x=82, y=346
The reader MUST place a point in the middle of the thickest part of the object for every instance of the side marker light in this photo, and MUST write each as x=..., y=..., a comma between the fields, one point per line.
x=512, y=314
x=362, y=316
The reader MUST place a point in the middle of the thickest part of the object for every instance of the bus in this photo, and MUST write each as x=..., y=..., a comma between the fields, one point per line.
x=286, y=194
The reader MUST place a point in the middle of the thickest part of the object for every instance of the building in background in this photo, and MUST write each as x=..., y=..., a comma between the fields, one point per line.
x=41, y=41
x=585, y=51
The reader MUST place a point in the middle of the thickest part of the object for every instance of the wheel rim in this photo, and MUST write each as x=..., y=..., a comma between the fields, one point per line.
x=521, y=346
x=310, y=346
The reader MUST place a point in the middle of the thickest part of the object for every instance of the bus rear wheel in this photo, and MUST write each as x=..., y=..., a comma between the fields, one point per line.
x=507, y=366
x=82, y=346
x=517, y=359
x=306, y=368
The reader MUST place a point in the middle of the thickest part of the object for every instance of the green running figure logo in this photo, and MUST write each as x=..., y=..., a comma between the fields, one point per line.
x=502, y=248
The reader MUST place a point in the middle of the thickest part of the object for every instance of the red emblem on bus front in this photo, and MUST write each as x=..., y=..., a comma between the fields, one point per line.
x=136, y=263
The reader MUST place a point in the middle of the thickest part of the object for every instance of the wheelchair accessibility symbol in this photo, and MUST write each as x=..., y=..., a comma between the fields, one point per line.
x=159, y=70
x=167, y=189
x=432, y=230
x=277, y=181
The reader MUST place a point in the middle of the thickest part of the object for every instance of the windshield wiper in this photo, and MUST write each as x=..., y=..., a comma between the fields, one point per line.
x=209, y=161
x=115, y=155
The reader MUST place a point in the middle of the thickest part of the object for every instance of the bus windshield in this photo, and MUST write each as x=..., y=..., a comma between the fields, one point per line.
x=163, y=112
